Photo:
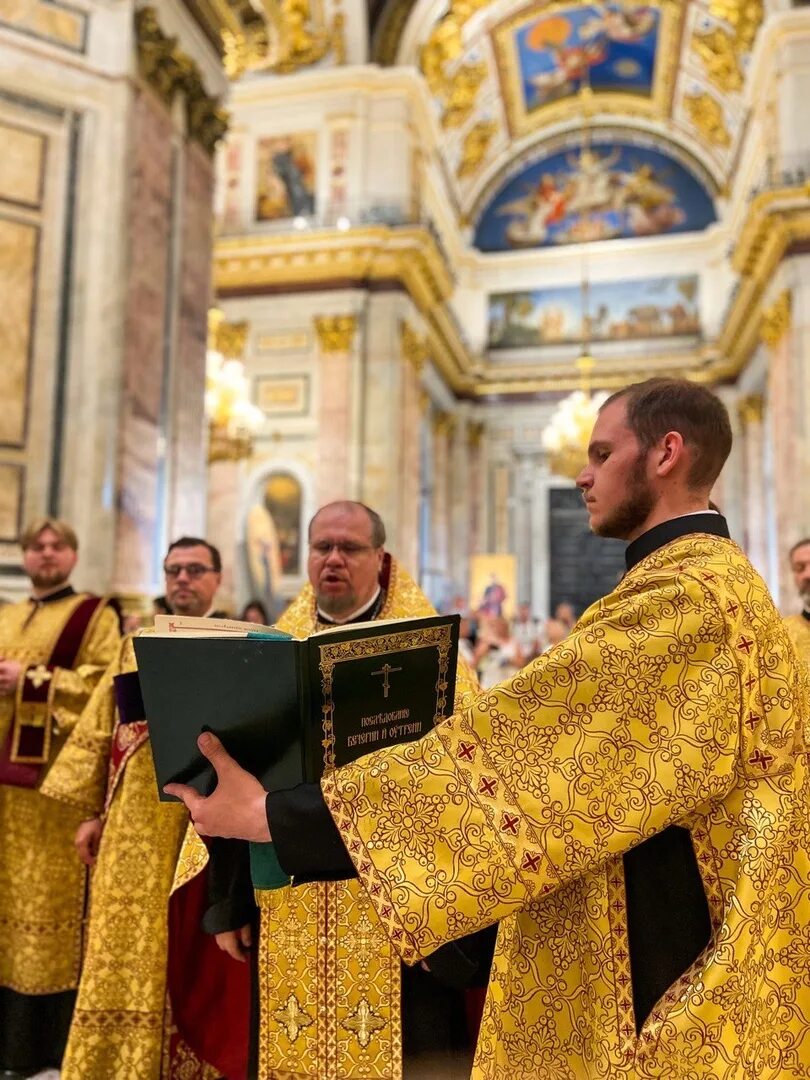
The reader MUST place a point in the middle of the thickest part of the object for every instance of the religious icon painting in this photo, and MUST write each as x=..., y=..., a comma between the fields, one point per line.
x=626, y=187
x=286, y=176
x=547, y=58
x=493, y=585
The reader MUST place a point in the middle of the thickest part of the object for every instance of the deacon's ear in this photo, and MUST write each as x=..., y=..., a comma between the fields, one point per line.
x=670, y=453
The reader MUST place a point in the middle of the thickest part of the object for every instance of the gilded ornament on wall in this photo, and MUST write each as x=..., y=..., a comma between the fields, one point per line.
x=706, y=114
x=169, y=71
x=441, y=50
x=475, y=146
x=294, y=34
x=745, y=16
x=414, y=347
x=717, y=49
x=335, y=332
x=776, y=319
x=751, y=409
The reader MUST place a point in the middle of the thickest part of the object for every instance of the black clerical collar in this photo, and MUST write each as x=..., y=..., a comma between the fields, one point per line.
x=59, y=594
x=367, y=614
x=709, y=522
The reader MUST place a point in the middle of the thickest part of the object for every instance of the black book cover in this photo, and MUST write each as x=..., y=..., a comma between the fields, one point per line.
x=288, y=710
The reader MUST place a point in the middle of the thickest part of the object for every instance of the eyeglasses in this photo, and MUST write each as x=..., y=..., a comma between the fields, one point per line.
x=322, y=548
x=194, y=570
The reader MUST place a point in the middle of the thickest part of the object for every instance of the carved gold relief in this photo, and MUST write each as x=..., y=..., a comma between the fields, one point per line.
x=462, y=90
x=750, y=409
x=717, y=49
x=335, y=332
x=414, y=347
x=228, y=338
x=169, y=71
x=706, y=114
x=293, y=34
x=475, y=146
x=776, y=319
x=745, y=16
x=442, y=49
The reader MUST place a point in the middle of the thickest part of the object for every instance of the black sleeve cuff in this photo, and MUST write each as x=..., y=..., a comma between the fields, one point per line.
x=230, y=902
x=307, y=841
x=465, y=962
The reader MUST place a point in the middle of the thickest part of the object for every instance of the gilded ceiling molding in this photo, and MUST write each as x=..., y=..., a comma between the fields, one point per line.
x=751, y=409
x=776, y=319
x=443, y=47
x=706, y=113
x=335, y=332
x=170, y=71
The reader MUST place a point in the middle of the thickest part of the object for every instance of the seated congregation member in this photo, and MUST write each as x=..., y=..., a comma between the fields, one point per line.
x=634, y=807
x=124, y=1027
x=334, y=999
x=54, y=648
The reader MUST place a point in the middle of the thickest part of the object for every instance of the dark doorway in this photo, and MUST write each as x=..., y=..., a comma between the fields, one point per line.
x=582, y=567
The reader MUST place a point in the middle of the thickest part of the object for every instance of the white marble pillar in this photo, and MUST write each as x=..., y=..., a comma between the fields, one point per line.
x=337, y=427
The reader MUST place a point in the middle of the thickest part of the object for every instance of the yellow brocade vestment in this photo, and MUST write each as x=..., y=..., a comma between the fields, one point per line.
x=329, y=978
x=676, y=699
x=42, y=883
x=798, y=629
x=119, y=1029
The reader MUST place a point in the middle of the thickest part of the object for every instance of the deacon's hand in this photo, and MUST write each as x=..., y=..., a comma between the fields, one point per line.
x=9, y=676
x=87, y=840
x=236, y=943
x=236, y=809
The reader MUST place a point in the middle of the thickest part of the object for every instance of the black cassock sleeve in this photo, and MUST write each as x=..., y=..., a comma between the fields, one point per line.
x=310, y=848
x=230, y=890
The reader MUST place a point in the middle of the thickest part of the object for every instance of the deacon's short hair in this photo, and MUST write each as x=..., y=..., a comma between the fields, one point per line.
x=197, y=541
x=657, y=406
x=797, y=545
x=64, y=531
x=377, y=526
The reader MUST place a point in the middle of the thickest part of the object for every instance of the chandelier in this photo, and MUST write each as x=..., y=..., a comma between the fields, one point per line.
x=568, y=433
x=233, y=419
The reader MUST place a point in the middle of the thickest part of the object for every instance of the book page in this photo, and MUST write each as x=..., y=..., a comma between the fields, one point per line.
x=194, y=626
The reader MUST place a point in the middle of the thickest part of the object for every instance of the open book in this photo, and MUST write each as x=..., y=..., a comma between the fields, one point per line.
x=286, y=709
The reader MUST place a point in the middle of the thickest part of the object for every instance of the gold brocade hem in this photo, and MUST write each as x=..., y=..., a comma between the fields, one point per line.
x=329, y=987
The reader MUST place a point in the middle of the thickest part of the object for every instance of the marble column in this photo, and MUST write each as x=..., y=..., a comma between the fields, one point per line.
x=337, y=426
x=408, y=479
x=440, y=540
x=785, y=434
x=754, y=539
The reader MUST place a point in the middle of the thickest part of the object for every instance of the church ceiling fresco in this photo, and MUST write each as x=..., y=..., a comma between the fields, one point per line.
x=505, y=78
x=603, y=191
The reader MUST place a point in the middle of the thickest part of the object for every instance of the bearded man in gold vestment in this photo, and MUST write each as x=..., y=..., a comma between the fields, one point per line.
x=633, y=807
x=54, y=648
x=799, y=625
x=125, y=1026
x=335, y=1002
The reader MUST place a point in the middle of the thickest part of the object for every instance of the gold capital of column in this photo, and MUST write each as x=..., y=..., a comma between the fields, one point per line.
x=335, y=332
x=414, y=347
x=751, y=409
x=228, y=338
x=475, y=433
x=776, y=319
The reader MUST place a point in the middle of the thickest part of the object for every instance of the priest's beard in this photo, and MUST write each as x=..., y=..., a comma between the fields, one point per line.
x=336, y=607
x=629, y=515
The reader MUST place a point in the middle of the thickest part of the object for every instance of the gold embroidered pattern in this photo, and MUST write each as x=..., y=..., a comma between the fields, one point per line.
x=678, y=698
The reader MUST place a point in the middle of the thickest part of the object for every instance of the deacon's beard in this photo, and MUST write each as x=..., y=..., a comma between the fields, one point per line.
x=50, y=579
x=628, y=517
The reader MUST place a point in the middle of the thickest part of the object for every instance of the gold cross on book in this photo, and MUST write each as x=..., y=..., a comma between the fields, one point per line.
x=385, y=671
